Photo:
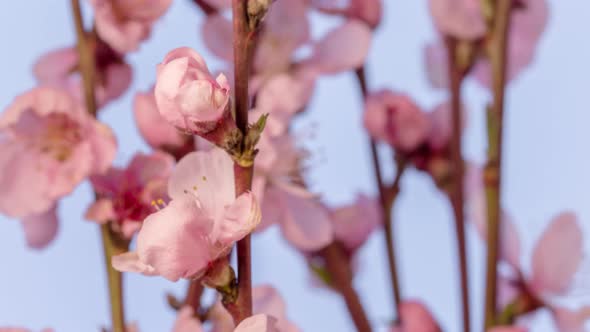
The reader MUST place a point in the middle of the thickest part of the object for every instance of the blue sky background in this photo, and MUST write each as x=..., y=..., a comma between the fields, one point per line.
x=547, y=164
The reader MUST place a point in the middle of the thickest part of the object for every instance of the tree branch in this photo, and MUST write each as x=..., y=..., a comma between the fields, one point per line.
x=457, y=194
x=493, y=170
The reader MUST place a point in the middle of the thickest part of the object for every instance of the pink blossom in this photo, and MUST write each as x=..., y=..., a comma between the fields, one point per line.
x=124, y=24
x=355, y=222
x=571, y=320
x=200, y=224
x=266, y=301
x=508, y=329
x=186, y=93
x=415, y=317
x=40, y=229
x=258, y=323
x=396, y=119
x=49, y=144
x=217, y=33
x=286, y=28
x=60, y=68
x=369, y=11
x=344, y=48
x=186, y=321
x=127, y=196
x=152, y=126
x=436, y=65
x=526, y=28
x=462, y=19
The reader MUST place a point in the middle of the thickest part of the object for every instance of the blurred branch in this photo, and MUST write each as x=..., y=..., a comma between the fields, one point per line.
x=112, y=245
x=340, y=273
x=498, y=41
x=387, y=198
x=457, y=195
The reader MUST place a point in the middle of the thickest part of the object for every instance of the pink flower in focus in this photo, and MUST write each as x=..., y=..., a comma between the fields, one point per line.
x=369, y=11
x=344, y=48
x=395, y=119
x=415, y=317
x=60, y=68
x=186, y=93
x=355, y=222
x=462, y=19
x=49, y=145
x=127, y=196
x=152, y=126
x=201, y=222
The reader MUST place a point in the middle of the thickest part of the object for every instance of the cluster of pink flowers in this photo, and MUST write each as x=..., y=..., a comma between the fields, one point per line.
x=180, y=202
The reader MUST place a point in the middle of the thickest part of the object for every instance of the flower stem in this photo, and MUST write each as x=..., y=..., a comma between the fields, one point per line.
x=193, y=295
x=111, y=244
x=457, y=194
x=387, y=201
x=243, y=175
x=341, y=277
x=493, y=170
x=114, y=246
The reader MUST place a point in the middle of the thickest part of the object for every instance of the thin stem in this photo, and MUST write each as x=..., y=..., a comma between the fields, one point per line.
x=111, y=244
x=341, y=277
x=111, y=248
x=243, y=175
x=457, y=194
x=493, y=171
x=193, y=295
x=386, y=201
x=86, y=59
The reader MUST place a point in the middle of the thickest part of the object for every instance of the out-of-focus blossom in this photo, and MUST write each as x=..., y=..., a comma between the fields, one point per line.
x=49, y=145
x=127, y=196
x=436, y=65
x=153, y=127
x=265, y=301
x=187, y=95
x=344, y=48
x=508, y=329
x=355, y=222
x=395, y=119
x=201, y=222
x=526, y=28
x=462, y=19
x=124, y=24
x=369, y=11
x=60, y=68
x=415, y=317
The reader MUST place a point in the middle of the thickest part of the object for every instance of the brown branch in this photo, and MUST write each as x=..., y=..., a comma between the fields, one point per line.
x=112, y=245
x=498, y=41
x=341, y=277
x=387, y=197
x=193, y=295
x=457, y=195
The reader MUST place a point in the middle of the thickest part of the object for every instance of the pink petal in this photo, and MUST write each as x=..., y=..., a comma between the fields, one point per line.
x=152, y=126
x=285, y=94
x=568, y=320
x=354, y=223
x=56, y=65
x=174, y=240
x=258, y=323
x=435, y=59
x=40, y=229
x=369, y=11
x=557, y=255
x=267, y=300
x=117, y=78
x=142, y=10
x=508, y=329
x=344, y=48
x=239, y=220
x=149, y=167
x=415, y=317
x=186, y=322
x=101, y=211
x=273, y=209
x=103, y=146
x=208, y=172
x=122, y=35
x=306, y=224
x=129, y=262
x=458, y=18
x=217, y=32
